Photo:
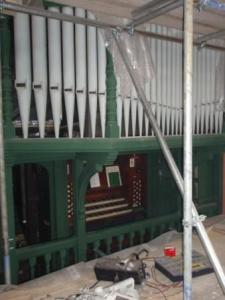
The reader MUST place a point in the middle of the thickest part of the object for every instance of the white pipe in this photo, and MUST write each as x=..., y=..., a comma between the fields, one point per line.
x=140, y=117
x=158, y=79
x=134, y=102
x=163, y=81
x=187, y=209
x=102, y=80
x=177, y=96
x=126, y=110
x=40, y=83
x=208, y=89
x=202, y=91
x=92, y=73
x=169, y=87
x=147, y=93
x=174, y=63
x=180, y=90
x=198, y=119
x=23, y=67
x=119, y=105
x=55, y=69
x=153, y=89
x=68, y=69
x=212, y=90
x=81, y=84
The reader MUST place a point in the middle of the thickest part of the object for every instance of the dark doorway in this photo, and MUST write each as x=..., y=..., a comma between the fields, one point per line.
x=32, y=205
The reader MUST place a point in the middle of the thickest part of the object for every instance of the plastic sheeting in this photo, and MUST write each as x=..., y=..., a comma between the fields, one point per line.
x=137, y=50
x=214, y=4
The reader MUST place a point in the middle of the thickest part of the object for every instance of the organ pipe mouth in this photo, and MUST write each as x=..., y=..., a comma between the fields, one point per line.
x=20, y=85
x=37, y=86
x=54, y=87
x=69, y=90
x=92, y=93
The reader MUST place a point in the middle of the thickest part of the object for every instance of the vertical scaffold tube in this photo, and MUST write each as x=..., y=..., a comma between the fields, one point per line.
x=23, y=67
x=187, y=214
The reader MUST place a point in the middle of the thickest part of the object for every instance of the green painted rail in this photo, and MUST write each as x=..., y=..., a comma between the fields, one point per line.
x=55, y=255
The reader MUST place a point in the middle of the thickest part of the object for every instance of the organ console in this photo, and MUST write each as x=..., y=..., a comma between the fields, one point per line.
x=118, y=192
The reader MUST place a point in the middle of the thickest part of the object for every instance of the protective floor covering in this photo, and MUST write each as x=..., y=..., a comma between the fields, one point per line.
x=69, y=281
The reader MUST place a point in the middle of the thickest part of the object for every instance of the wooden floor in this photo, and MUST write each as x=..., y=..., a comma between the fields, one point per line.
x=71, y=280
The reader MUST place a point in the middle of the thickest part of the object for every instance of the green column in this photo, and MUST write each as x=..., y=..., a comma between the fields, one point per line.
x=11, y=221
x=7, y=84
x=112, y=128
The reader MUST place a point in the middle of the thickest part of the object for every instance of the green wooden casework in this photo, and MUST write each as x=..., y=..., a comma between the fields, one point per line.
x=88, y=156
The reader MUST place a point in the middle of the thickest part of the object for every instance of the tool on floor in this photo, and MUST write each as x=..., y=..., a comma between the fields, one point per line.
x=115, y=269
x=122, y=290
x=172, y=266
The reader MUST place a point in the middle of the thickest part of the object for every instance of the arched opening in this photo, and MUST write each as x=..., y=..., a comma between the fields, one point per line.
x=32, y=204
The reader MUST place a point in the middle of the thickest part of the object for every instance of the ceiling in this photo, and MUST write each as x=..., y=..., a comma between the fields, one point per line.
x=205, y=22
x=118, y=12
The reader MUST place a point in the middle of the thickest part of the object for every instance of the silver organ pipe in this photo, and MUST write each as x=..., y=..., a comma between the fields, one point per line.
x=119, y=106
x=55, y=70
x=23, y=67
x=126, y=110
x=102, y=79
x=68, y=69
x=40, y=81
x=81, y=74
x=134, y=101
x=92, y=73
x=81, y=83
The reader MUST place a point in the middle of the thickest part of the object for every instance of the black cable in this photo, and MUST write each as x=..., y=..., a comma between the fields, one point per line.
x=94, y=285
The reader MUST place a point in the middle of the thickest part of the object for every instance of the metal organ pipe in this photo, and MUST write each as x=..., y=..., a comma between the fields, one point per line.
x=102, y=80
x=92, y=72
x=134, y=102
x=23, y=67
x=119, y=106
x=68, y=69
x=55, y=70
x=40, y=69
x=147, y=92
x=126, y=109
x=81, y=70
x=140, y=117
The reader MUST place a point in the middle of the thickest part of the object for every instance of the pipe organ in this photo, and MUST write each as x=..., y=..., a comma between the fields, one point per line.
x=119, y=191
x=69, y=64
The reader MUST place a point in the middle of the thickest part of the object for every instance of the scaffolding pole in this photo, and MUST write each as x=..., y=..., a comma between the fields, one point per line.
x=187, y=207
x=4, y=219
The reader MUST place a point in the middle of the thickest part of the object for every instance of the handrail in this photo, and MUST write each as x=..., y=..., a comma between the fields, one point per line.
x=45, y=248
x=129, y=228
